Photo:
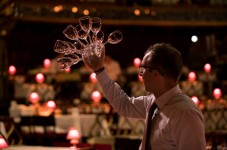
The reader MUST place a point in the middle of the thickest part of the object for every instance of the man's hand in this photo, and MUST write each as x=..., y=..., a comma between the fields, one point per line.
x=92, y=60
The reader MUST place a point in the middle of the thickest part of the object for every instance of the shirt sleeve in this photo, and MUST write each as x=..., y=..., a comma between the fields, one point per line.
x=120, y=101
x=188, y=130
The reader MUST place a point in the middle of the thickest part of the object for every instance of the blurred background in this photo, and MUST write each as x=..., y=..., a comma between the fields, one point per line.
x=40, y=103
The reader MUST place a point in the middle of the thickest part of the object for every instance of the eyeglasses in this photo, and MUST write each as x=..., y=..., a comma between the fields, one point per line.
x=141, y=67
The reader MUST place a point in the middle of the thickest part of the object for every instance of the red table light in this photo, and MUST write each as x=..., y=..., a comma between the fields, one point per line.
x=93, y=77
x=217, y=93
x=207, y=68
x=12, y=70
x=39, y=78
x=140, y=78
x=195, y=100
x=74, y=136
x=136, y=62
x=3, y=143
x=51, y=104
x=96, y=96
x=46, y=63
x=191, y=76
x=34, y=97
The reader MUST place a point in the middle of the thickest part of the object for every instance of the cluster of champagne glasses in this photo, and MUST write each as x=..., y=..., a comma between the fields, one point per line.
x=85, y=38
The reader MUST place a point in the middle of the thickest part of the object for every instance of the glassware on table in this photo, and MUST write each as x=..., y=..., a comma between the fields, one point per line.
x=70, y=32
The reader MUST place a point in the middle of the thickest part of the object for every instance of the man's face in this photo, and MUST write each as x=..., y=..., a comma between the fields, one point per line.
x=147, y=72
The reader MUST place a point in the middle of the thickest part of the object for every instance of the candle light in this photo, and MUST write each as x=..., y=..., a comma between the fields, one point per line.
x=217, y=93
x=12, y=70
x=39, y=78
x=67, y=70
x=46, y=63
x=136, y=62
x=191, y=76
x=207, y=68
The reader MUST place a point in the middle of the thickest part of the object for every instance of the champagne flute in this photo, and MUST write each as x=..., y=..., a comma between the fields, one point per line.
x=96, y=25
x=114, y=37
x=68, y=60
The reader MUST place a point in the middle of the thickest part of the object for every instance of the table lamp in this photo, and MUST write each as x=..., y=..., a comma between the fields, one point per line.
x=3, y=143
x=74, y=136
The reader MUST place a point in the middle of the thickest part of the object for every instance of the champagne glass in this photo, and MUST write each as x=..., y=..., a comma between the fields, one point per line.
x=99, y=37
x=81, y=33
x=85, y=23
x=70, y=32
x=96, y=25
x=68, y=60
x=114, y=37
x=64, y=47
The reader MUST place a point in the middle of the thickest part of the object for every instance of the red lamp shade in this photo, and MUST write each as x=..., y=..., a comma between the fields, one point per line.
x=140, y=78
x=195, y=100
x=12, y=70
x=191, y=76
x=39, y=78
x=93, y=77
x=136, y=62
x=96, y=96
x=73, y=133
x=46, y=63
x=3, y=143
x=34, y=97
x=51, y=104
x=67, y=70
x=207, y=68
x=217, y=93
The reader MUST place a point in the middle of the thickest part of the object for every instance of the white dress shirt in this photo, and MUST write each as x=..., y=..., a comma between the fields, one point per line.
x=178, y=123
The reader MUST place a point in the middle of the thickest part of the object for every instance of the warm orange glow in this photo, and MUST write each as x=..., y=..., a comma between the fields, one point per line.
x=191, y=76
x=207, y=68
x=217, y=93
x=140, y=78
x=58, y=8
x=67, y=70
x=34, y=97
x=12, y=70
x=39, y=78
x=74, y=9
x=86, y=12
x=137, y=12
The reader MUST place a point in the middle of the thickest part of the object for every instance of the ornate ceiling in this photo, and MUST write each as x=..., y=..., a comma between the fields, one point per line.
x=111, y=13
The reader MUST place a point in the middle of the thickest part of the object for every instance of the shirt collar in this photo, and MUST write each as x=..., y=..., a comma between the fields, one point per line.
x=164, y=98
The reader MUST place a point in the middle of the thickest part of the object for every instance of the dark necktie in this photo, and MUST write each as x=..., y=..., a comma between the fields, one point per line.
x=149, y=122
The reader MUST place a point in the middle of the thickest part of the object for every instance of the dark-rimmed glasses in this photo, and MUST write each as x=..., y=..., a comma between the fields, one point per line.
x=141, y=67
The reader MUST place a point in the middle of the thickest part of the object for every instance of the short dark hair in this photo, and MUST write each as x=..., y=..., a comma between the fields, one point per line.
x=167, y=59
